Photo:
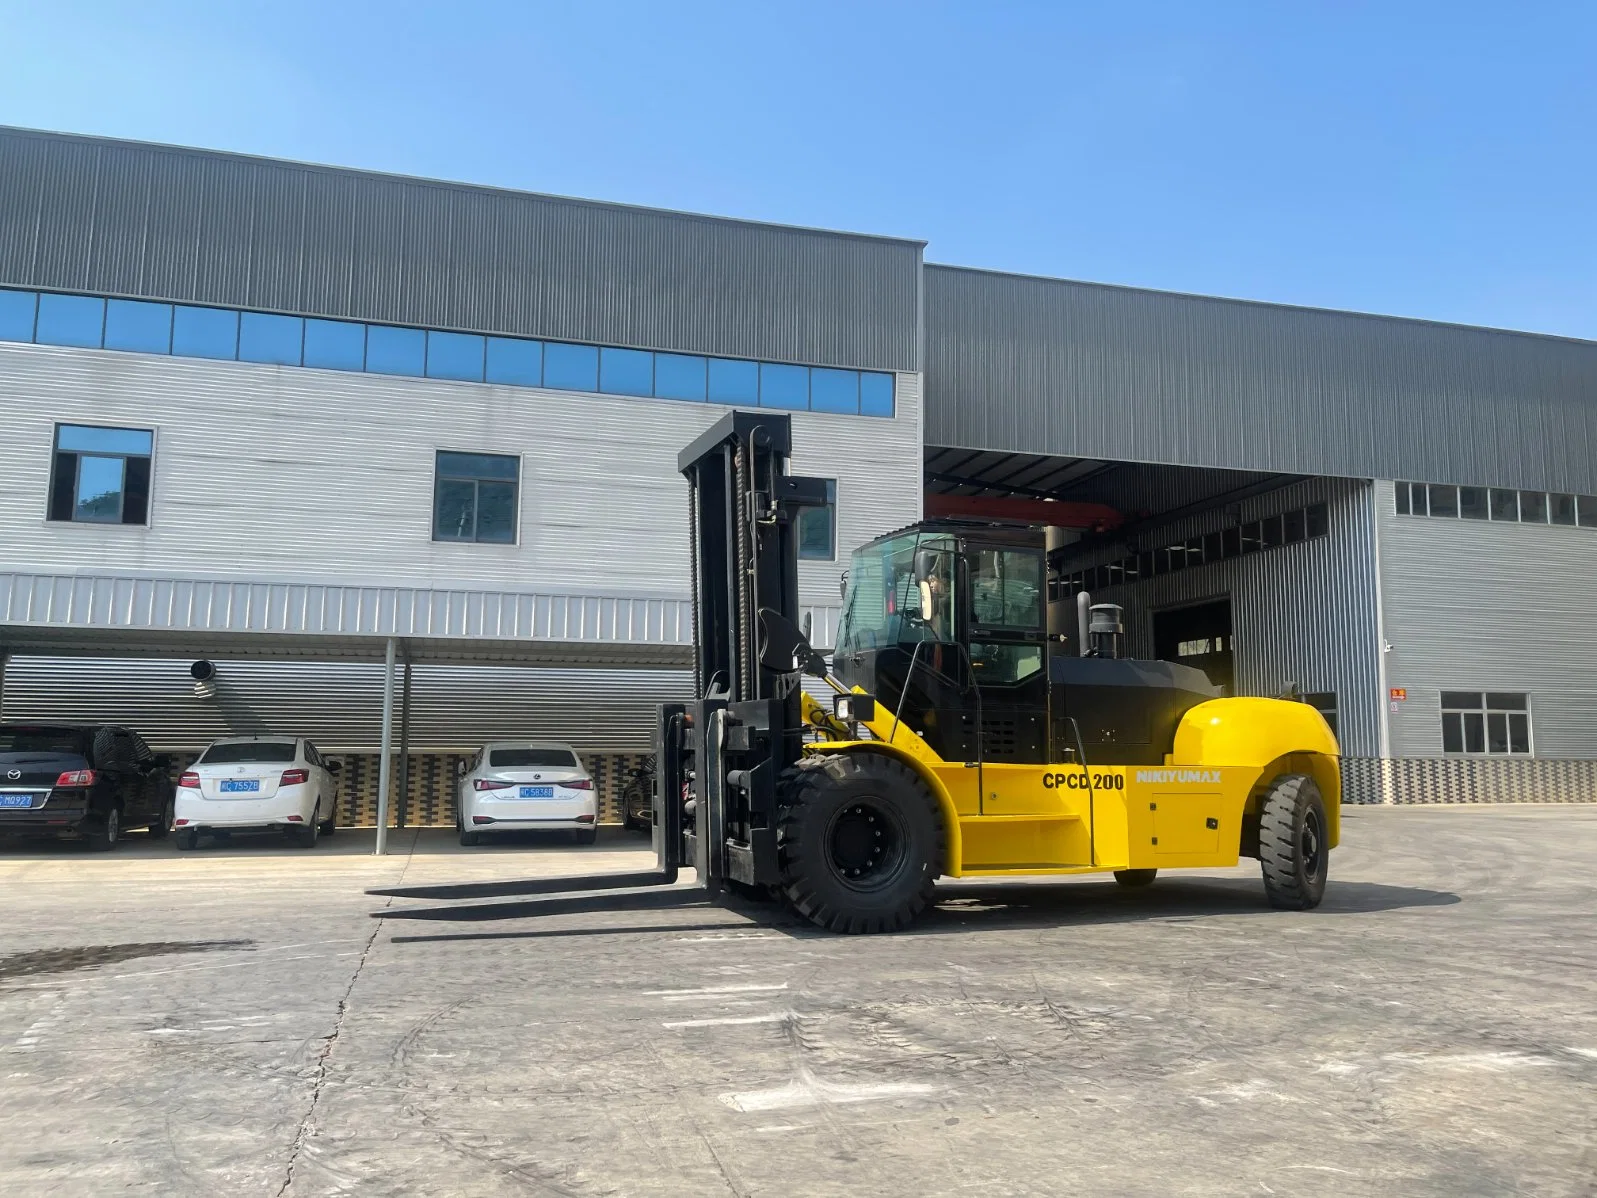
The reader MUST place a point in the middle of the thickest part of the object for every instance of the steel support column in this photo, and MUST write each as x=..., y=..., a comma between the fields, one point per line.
x=404, y=748
x=385, y=763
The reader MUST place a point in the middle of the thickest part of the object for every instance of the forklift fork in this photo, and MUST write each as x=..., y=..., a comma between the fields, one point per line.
x=649, y=888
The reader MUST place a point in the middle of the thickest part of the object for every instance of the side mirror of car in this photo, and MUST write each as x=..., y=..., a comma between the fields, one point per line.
x=335, y=767
x=161, y=761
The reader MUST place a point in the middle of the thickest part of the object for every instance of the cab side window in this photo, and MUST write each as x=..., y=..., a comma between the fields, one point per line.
x=1006, y=588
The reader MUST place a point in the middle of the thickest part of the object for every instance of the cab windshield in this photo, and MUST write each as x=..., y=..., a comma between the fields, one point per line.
x=900, y=591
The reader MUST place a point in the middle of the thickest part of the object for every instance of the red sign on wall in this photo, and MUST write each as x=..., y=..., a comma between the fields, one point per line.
x=1399, y=694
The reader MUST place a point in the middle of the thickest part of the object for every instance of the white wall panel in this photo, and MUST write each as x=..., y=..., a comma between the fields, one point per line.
x=287, y=475
x=1480, y=605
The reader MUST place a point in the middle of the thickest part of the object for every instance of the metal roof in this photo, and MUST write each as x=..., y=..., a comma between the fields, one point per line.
x=1050, y=366
x=147, y=221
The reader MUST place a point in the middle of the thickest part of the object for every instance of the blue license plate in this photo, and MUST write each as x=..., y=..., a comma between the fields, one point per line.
x=537, y=792
x=16, y=800
x=241, y=785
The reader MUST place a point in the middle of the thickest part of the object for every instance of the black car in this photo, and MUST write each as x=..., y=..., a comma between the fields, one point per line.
x=87, y=780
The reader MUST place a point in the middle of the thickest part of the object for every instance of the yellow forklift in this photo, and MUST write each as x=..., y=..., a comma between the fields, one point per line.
x=961, y=741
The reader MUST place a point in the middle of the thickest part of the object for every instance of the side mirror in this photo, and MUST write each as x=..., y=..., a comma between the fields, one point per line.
x=161, y=761
x=842, y=585
x=925, y=564
x=335, y=767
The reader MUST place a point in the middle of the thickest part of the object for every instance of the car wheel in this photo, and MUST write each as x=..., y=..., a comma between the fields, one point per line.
x=306, y=835
x=467, y=836
x=585, y=835
x=330, y=824
x=103, y=838
x=187, y=840
x=168, y=814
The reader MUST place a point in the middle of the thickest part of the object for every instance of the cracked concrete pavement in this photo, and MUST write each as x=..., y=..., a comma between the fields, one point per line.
x=232, y=1021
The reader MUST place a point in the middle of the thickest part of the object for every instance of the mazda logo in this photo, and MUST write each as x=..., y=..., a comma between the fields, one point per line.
x=14, y=774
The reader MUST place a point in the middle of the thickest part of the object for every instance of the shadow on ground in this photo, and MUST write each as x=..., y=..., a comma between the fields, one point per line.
x=956, y=908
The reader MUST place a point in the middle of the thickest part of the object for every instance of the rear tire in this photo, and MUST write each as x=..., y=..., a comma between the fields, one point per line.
x=467, y=837
x=330, y=824
x=104, y=836
x=186, y=841
x=585, y=835
x=306, y=835
x=168, y=814
x=1293, y=843
x=1136, y=878
x=860, y=840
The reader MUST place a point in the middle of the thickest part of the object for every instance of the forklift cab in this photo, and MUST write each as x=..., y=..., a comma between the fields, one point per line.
x=946, y=624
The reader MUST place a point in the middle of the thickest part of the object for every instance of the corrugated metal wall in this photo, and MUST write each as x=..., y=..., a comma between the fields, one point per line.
x=132, y=219
x=281, y=474
x=339, y=705
x=1301, y=613
x=1479, y=605
x=1048, y=366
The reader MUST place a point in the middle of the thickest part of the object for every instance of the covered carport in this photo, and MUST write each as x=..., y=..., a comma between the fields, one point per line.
x=400, y=682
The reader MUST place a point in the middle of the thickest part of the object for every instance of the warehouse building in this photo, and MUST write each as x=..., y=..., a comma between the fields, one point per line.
x=291, y=418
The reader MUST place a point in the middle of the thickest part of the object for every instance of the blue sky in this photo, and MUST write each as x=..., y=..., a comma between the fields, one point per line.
x=1422, y=159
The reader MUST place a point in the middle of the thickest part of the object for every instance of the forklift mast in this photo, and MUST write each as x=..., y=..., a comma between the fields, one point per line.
x=726, y=749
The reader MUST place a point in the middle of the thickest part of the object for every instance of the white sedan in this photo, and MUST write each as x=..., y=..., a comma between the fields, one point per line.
x=513, y=785
x=257, y=783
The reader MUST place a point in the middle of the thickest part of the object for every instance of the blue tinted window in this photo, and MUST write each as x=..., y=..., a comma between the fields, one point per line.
x=335, y=344
x=626, y=372
x=79, y=438
x=477, y=465
x=16, y=315
x=834, y=390
x=395, y=351
x=511, y=360
x=784, y=386
x=70, y=320
x=679, y=376
x=138, y=326
x=205, y=333
x=734, y=382
x=875, y=394
x=570, y=367
x=455, y=356
x=276, y=339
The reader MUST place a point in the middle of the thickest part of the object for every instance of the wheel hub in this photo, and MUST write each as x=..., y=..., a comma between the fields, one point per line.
x=865, y=845
x=1309, y=844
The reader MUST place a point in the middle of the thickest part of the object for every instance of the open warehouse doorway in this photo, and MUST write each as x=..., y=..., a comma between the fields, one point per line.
x=1264, y=581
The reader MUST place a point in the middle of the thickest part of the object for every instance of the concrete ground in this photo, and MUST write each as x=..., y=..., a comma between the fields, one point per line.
x=232, y=1022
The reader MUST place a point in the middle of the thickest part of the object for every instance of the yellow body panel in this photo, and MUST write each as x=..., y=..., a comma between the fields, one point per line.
x=1015, y=820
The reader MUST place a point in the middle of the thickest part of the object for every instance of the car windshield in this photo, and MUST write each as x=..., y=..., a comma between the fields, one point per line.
x=41, y=740
x=255, y=752
x=550, y=759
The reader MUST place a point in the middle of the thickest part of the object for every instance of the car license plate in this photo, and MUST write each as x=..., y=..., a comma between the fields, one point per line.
x=537, y=792
x=240, y=785
x=16, y=800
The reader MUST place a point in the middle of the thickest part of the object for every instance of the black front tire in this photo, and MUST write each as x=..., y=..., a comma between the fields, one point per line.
x=860, y=841
x=330, y=824
x=1294, y=845
x=1135, y=878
